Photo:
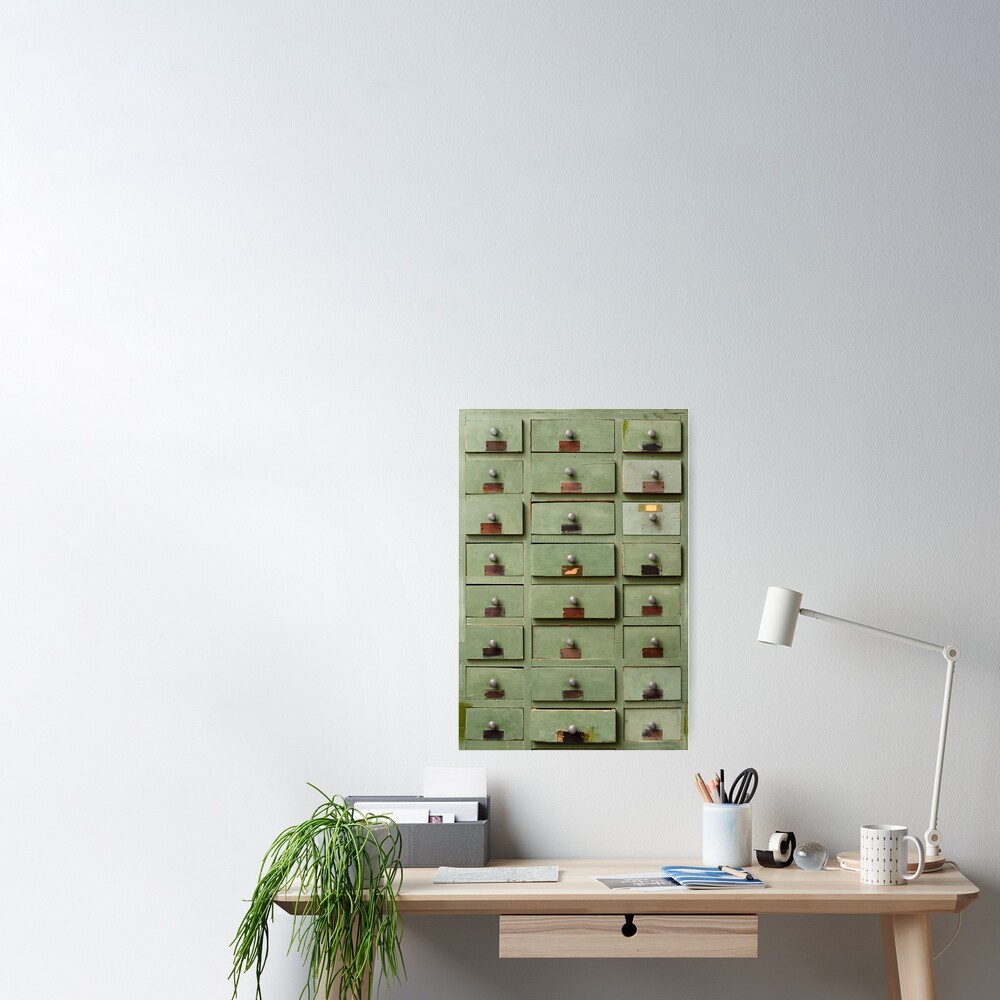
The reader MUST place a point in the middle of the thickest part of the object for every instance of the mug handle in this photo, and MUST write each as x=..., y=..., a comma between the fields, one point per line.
x=920, y=854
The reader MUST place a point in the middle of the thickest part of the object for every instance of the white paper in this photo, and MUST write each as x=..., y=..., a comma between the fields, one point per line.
x=498, y=873
x=398, y=815
x=464, y=782
x=464, y=811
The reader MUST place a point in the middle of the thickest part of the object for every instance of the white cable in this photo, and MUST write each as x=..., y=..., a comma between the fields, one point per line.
x=958, y=926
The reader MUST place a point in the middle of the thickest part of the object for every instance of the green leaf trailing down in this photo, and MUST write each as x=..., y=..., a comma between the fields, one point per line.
x=346, y=872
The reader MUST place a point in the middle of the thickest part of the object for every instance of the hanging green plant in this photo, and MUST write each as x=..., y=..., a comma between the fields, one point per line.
x=346, y=871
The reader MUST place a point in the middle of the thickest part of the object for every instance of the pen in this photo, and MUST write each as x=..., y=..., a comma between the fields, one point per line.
x=736, y=872
x=722, y=786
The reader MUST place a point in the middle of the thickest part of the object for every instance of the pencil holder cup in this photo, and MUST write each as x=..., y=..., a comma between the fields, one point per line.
x=726, y=835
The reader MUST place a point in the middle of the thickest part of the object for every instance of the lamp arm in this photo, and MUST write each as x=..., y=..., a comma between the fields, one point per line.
x=932, y=838
x=935, y=646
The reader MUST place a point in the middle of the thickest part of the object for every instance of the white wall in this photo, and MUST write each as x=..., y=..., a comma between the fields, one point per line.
x=255, y=256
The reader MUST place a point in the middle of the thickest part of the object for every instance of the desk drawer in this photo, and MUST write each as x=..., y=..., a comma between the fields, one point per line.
x=656, y=936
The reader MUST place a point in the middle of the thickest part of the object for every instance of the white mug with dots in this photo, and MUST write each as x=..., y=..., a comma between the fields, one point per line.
x=884, y=854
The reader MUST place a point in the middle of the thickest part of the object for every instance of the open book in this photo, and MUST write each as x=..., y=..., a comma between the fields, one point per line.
x=711, y=878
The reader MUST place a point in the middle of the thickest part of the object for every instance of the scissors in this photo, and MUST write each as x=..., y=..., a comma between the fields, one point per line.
x=743, y=789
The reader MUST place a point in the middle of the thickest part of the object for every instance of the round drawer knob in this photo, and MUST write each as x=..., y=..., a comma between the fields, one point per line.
x=571, y=730
x=651, y=433
x=570, y=435
x=653, y=517
x=571, y=558
x=494, y=557
x=491, y=517
x=491, y=724
x=493, y=682
x=569, y=470
x=573, y=682
x=495, y=601
x=571, y=516
x=493, y=643
x=574, y=600
x=652, y=557
x=654, y=474
x=654, y=641
x=494, y=432
x=571, y=643
x=650, y=600
x=651, y=685
x=493, y=473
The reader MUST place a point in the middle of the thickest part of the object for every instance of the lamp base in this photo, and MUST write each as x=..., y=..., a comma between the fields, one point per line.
x=851, y=861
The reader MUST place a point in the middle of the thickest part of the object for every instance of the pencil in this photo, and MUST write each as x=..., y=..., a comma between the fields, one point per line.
x=702, y=788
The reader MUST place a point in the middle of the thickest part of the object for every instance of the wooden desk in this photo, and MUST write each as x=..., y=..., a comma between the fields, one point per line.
x=578, y=917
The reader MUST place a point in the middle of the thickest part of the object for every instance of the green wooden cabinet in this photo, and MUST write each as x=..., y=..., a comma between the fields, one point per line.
x=573, y=569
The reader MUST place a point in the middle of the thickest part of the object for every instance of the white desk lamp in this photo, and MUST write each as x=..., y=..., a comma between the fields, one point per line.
x=777, y=627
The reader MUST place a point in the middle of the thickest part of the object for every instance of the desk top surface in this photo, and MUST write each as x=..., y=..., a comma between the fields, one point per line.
x=789, y=890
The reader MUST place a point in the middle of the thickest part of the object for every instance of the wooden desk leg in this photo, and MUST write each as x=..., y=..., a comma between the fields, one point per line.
x=909, y=965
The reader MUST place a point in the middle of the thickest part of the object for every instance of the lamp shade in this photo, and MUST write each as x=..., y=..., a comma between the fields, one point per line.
x=781, y=612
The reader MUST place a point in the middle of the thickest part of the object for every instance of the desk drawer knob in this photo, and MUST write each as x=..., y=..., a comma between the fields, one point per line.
x=494, y=557
x=574, y=601
x=653, y=517
x=571, y=559
x=652, y=557
x=653, y=641
x=570, y=435
x=573, y=682
x=571, y=730
x=493, y=683
x=571, y=516
x=651, y=600
x=569, y=471
x=651, y=433
x=493, y=473
x=654, y=474
x=492, y=517
x=495, y=601
x=494, y=431
x=493, y=643
x=571, y=643
x=491, y=724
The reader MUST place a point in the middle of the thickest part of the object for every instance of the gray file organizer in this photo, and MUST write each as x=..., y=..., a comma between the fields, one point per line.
x=430, y=845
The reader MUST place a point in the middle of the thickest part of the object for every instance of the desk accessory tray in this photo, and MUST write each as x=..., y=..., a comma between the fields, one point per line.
x=431, y=845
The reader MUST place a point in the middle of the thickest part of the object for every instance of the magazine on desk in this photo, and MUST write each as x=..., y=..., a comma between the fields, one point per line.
x=691, y=877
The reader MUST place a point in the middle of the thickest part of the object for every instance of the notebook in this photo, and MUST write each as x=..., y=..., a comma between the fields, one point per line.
x=710, y=878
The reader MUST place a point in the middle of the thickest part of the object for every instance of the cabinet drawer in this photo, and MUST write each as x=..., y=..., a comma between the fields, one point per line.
x=486, y=600
x=573, y=727
x=656, y=935
x=649, y=518
x=563, y=475
x=493, y=515
x=494, y=684
x=659, y=601
x=651, y=436
x=583, y=643
x=568, y=559
x=652, y=684
x=493, y=432
x=485, y=476
x=499, y=724
x=573, y=684
x=651, y=475
x=652, y=642
x=494, y=642
x=596, y=517
x=651, y=558
x=654, y=725
x=570, y=602
x=573, y=434
x=494, y=559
